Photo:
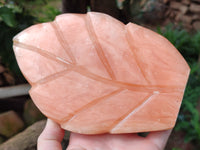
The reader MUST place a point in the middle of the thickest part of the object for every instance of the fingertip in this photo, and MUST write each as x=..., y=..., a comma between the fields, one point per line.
x=52, y=130
x=159, y=138
x=51, y=136
x=76, y=141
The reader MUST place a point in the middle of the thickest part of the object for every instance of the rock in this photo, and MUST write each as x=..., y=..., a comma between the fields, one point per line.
x=165, y=1
x=196, y=25
x=10, y=123
x=184, y=18
x=196, y=17
x=173, y=14
x=179, y=6
x=175, y=5
x=195, y=8
x=2, y=69
x=9, y=78
x=183, y=9
x=178, y=16
x=31, y=113
x=186, y=2
x=26, y=140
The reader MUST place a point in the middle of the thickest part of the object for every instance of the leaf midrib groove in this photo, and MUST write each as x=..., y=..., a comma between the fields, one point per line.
x=83, y=71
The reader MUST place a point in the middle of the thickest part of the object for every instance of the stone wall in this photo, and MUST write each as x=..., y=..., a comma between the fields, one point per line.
x=186, y=12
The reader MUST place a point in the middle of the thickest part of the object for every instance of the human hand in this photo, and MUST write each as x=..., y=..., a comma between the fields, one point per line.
x=52, y=135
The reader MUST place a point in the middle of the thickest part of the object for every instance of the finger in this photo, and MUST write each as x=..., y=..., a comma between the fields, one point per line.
x=105, y=142
x=51, y=137
x=88, y=142
x=159, y=138
x=79, y=141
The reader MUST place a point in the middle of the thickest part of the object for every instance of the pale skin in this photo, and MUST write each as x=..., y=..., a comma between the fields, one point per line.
x=52, y=135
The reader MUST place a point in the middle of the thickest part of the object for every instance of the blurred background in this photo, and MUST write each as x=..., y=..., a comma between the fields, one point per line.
x=177, y=20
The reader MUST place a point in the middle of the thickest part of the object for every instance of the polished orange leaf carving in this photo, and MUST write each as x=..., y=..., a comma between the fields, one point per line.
x=93, y=74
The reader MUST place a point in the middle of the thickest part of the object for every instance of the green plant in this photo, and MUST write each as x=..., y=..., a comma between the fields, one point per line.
x=189, y=118
x=7, y=16
x=43, y=10
x=189, y=46
x=176, y=148
x=13, y=19
x=186, y=43
x=49, y=13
